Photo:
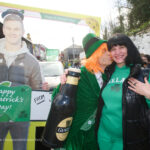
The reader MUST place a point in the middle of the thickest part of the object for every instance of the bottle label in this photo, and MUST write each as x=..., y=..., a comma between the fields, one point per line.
x=62, y=129
x=72, y=80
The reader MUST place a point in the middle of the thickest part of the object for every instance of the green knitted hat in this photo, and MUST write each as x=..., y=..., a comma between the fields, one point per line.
x=90, y=43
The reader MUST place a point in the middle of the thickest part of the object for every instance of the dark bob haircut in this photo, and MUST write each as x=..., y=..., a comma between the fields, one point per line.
x=133, y=55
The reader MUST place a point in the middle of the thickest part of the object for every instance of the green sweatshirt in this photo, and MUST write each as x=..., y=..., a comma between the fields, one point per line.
x=110, y=134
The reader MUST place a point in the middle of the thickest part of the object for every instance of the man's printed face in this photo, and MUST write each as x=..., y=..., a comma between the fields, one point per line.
x=13, y=31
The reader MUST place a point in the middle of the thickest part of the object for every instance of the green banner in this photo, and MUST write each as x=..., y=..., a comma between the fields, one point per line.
x=52, y=54
x=15, y=103
x=59, y=18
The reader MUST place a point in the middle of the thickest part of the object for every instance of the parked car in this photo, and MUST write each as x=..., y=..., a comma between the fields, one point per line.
x=52, y=70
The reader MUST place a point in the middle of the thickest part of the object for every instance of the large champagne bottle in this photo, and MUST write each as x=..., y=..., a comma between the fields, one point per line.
x=61, y=113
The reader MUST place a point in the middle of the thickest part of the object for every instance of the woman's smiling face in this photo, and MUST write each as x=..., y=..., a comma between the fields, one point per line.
x=119, y=54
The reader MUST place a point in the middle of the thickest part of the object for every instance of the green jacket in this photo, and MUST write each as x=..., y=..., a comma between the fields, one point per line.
x=82, y=133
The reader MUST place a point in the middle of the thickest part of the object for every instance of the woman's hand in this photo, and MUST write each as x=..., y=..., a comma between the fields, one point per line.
x=63, y=77
x=140, y=87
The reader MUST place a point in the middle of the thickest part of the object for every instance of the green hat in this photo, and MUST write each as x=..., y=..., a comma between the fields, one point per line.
x=90, y=43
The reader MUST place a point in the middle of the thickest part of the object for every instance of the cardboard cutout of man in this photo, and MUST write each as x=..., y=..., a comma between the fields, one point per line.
x=20, y=67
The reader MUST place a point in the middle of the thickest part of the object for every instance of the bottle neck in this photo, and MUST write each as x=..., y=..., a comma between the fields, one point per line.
x=70, y=87
x=72, y=80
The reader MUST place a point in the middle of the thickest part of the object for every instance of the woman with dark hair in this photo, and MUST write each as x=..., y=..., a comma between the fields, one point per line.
x=122, y=120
